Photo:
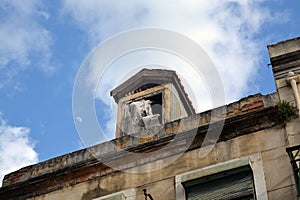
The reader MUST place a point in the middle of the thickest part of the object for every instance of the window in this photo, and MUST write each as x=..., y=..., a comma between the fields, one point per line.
x=231, y=184
x=294, y=154
x=115, y=197
x=241, y=178
x=156, y=105
x=122, y=195
x=142, y=113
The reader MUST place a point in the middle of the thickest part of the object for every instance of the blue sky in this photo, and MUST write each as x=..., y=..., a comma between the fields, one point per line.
x=43, y=44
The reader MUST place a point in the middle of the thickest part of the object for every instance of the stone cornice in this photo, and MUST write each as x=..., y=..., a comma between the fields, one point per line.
x=243, y=117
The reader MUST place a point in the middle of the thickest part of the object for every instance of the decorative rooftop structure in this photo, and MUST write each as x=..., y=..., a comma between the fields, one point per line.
x=285, y=57
x=150, y=98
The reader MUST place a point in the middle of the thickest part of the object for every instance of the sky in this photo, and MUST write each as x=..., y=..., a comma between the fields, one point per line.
x=43, y=45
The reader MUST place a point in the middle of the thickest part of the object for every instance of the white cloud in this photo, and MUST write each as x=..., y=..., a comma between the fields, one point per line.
x=227, y=30
x=22, y=39
x=16, y=148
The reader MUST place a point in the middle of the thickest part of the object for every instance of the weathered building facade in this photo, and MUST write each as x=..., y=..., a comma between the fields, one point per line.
x=160, y=155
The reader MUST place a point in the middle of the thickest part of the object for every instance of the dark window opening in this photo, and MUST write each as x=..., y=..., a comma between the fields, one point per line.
x=156, y=105
x=232, y=184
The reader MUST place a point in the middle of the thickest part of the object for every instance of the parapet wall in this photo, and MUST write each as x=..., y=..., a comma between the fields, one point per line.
x=81, y=157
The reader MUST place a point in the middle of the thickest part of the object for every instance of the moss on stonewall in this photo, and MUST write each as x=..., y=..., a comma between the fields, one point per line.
x=287, y=112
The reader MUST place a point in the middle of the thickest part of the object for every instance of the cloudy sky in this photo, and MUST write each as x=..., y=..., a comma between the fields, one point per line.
x=43, y=44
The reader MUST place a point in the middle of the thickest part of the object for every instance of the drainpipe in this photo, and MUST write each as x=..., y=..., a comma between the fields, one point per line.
x=293, y=79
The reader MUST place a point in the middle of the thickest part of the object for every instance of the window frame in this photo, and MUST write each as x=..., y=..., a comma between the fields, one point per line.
x=129, y=194
x=254, y=161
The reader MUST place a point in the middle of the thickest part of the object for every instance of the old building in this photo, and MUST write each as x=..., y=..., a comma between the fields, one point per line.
x=159, y=154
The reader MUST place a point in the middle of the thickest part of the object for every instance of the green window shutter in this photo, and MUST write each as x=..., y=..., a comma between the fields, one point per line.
x=233, y=184
x=116, y=197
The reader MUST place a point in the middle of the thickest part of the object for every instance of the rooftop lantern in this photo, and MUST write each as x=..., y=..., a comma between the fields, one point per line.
x=149, y=99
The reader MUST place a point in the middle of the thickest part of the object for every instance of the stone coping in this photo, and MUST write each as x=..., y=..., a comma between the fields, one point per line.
x=244, y=107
